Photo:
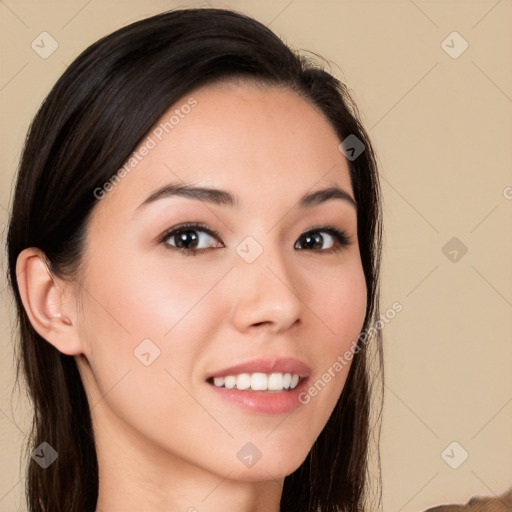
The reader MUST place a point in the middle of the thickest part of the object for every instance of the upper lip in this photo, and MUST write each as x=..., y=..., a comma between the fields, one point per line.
x=265, y=365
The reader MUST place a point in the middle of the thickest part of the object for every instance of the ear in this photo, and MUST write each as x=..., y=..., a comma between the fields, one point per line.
x=48, y=301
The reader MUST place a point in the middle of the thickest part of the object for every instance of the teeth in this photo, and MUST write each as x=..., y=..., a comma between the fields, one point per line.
x=229, y=382
x=275, y=381
x=243, y=381
x=218, y=381
x=258, y=381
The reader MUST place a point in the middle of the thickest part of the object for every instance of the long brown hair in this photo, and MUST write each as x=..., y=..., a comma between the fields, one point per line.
x=97, y=113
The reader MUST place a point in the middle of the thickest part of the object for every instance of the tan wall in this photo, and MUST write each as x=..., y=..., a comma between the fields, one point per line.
x=442, y=127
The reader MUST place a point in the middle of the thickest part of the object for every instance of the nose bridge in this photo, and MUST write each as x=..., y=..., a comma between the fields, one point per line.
x=267, y=287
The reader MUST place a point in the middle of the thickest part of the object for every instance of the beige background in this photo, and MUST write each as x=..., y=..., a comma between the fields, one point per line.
x=442, y=128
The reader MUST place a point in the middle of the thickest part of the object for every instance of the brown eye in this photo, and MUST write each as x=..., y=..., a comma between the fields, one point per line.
x=326, y=239
x=191, y=238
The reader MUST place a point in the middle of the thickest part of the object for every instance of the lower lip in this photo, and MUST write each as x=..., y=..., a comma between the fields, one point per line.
x=264, y=402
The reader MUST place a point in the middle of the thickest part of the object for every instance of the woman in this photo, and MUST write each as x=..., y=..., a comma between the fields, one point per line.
x=194, y=250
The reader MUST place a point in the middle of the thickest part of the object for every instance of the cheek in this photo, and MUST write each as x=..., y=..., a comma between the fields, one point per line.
x=150, y=296
x=341, y=301
x=137, y=313
x=134, y=316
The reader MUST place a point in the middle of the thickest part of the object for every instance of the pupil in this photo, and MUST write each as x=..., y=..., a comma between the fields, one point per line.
x=187, y=238
x=312, y=240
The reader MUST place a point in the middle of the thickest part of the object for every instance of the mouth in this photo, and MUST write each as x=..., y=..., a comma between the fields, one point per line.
x=265, y=386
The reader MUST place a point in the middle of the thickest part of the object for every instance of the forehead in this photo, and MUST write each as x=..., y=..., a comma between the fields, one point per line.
x=259, y=142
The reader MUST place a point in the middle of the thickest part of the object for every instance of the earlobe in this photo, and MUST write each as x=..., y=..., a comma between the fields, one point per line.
x=43, y=299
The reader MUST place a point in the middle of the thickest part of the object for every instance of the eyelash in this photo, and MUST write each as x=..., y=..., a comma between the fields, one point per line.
x=342, y=239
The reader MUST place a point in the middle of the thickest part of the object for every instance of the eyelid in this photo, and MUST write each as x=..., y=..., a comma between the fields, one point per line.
x=189, y=225
x=330, y=229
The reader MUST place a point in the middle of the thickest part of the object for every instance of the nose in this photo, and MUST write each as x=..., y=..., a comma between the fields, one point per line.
x=266, y=294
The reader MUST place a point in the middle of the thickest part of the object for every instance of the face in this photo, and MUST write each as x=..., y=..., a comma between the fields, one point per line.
x=196, y=303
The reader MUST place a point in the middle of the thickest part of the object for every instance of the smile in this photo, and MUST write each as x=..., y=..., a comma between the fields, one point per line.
x=258, y=381
x=268, y=385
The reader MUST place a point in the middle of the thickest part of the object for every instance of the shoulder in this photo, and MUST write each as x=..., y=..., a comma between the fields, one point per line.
x=502, y=503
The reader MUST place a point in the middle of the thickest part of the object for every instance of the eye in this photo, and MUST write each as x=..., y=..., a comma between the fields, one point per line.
x=323, y=239
x=191, y=238
x=195, y=238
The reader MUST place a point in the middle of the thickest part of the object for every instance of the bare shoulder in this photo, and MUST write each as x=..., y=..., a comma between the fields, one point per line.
x=501, y=503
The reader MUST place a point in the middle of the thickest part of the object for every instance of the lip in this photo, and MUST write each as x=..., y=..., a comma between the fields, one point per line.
x=265, y=365
x=264, y=402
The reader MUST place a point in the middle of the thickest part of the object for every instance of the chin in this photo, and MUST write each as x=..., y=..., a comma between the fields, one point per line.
x=274, y=467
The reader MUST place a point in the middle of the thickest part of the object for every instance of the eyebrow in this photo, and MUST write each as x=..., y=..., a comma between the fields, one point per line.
x=224, y=198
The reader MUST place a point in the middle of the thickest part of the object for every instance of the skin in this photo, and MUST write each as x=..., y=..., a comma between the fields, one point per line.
x=165, y=441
